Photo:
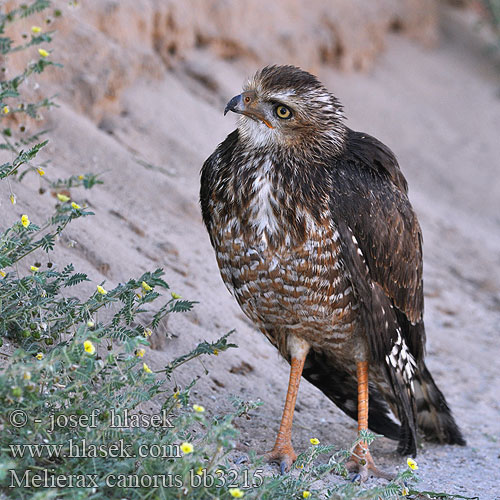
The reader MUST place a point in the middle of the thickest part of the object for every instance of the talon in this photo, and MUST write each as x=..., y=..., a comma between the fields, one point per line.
x=284, y=455
x=241, y=460
x=283, y=467
x=355, y=478
x=364, y=467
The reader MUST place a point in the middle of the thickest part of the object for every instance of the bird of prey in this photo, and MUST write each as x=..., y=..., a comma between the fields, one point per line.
x=317, y=241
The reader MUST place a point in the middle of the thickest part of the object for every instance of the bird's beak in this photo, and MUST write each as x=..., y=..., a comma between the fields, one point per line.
x=238, y=105
x=235, y=104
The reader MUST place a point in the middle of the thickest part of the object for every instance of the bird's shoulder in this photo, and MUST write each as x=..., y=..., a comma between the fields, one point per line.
x=364, y=152
x=211, y=172
x=221, y=156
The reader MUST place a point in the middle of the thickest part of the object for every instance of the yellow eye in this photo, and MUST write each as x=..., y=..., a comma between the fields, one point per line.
x=283, y=112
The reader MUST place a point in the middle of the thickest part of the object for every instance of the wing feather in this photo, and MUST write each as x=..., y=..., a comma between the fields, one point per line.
x=370, y=199
x=382, y=249
x=211, y=177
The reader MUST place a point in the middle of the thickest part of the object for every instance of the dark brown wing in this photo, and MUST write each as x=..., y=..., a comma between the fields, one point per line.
x=370, y=200
x=382, y=249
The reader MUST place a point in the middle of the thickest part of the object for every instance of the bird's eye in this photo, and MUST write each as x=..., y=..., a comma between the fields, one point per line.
x=282, y=112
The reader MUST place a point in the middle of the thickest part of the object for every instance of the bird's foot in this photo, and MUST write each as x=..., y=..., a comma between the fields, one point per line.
x=283, y=454
x=361, y=466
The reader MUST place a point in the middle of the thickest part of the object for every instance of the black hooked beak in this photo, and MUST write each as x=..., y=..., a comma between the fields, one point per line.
x=242, y=104
x=235, y=105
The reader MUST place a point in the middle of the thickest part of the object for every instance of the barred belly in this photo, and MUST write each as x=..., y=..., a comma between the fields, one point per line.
x=296, y=286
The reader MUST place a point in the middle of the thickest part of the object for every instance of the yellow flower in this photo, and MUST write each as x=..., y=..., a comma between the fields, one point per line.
x=80, y=177
x=146, y=368
x=41, y=171
x=140, y=353
x=75, y=205
x=43, y=52
x=101, y=290
x=412, y=464
x=148, y=332
x=187, y=448
x=27, y=376
x=39, y=356
x=34, y=268
x=90, y=324
x=301, y=466
x=3, y=273
x=404, y=491
x=36, y=29
x=198, y=408
x=314, y=441
x=145, y=286
x=25, y=221
x=63, y=197
x=176, y=394
x=216, y=352
x=89, y=347
x=199, y=471
x=175, y=295
x=306, y=494
x=236, y=493
x=12, y=198
x=5, y=110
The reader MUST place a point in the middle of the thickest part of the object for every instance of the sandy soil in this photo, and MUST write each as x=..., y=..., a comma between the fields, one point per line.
x=437, y=109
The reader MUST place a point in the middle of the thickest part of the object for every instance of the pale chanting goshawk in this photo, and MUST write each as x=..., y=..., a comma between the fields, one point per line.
x=317, y=241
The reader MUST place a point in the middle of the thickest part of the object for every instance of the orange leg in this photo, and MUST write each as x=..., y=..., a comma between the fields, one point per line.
x=283, y=451
x=361, y=461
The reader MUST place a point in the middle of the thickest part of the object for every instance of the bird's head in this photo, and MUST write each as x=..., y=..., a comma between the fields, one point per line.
x=286, y=106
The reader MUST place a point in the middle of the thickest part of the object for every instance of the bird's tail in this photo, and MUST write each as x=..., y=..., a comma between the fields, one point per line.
x=340, y=385
x=434, y=418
